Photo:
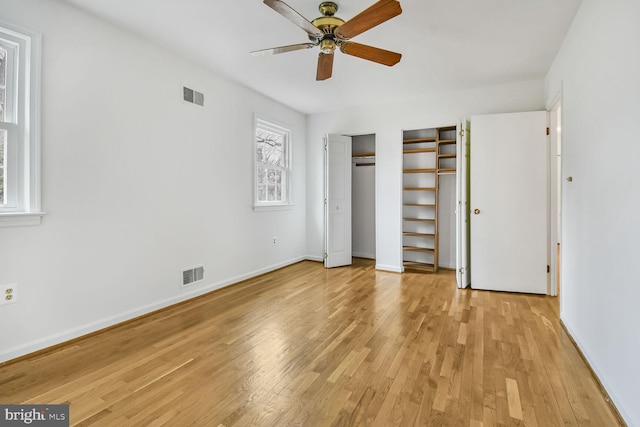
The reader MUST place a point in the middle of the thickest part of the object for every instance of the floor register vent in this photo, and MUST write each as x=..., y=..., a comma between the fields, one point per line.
x=192, y=275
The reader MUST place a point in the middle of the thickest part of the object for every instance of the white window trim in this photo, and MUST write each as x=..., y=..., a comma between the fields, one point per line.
x=280, y=127
x=27, y=209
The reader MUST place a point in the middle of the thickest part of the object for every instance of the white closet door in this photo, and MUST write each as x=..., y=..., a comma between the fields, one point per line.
x=337, y=201
x=509, y=202
x=463, y=267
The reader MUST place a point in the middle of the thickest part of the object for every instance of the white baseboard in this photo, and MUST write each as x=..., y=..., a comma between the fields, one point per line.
x=314, y=258
x=392, y=268
x=79, y=331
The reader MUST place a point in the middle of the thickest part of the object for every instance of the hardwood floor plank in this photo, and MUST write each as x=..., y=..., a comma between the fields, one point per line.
x=513, y=398
x=308, y=346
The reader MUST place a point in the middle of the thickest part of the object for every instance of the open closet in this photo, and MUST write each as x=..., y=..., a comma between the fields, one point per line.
x=363, y=196
x=429, y=199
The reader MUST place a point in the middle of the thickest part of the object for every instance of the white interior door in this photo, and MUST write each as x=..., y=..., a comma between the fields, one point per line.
x=555, y=195
x=337, y=201
x=463, y=273
x=509, y=202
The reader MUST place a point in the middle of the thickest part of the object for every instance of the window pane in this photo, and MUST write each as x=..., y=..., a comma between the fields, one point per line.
x=3, y=140
x=3, y=79
x=271, y=176
x=271, y=193
x=272, y=163
x=3, y=66
x=269, y=147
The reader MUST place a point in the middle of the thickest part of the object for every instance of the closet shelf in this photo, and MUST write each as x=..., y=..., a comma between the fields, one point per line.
x=367, y=154
x=412, y=234
x=447, y=171
x=417, y=249
x=447, y=155
x=419, y=219
x=419, y=140
x=419, y=150
x=446, y=141
x=419, y=189
x=446, y=128
x=422, y=205
x=427, y=170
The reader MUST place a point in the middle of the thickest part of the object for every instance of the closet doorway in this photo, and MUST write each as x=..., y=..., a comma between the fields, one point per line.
x=363, y=196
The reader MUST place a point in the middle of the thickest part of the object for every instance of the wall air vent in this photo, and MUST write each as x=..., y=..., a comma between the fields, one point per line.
x=193, y=96
x=192, y=275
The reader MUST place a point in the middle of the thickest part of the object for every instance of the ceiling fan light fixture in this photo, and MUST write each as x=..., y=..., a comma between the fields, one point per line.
x=327, y=46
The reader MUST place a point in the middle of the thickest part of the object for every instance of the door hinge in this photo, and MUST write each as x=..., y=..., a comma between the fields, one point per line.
x=325, y=201
x=548, y=269
x=548, y=130
x=461, y=133
x=461, y=270
x=325, y=256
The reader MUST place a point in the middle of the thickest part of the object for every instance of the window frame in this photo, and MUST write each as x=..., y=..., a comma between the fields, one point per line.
x=22, y=153
x=269, y=125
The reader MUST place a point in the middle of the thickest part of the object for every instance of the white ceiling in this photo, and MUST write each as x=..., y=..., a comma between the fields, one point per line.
x=446, y=44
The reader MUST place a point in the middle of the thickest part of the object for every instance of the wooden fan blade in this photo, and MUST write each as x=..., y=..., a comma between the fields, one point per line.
x=283, y=49
x=288, y=12
x=370, y=53
x=325, y=66
x=374, y=15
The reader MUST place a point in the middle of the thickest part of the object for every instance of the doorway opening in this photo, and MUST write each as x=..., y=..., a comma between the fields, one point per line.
x=363, y=191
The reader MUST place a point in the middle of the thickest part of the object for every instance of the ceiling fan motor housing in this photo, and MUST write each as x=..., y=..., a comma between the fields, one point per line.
x=328, y=23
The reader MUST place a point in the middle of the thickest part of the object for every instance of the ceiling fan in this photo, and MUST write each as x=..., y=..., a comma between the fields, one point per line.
x=330, y=32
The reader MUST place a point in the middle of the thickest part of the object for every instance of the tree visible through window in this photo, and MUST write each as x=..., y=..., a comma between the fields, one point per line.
x=272, y=164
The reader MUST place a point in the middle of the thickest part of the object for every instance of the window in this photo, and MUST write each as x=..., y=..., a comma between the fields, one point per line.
x=272, y=164
x=19, y=128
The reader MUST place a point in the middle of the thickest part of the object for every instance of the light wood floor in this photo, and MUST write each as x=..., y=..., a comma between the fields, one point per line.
x=315, y=347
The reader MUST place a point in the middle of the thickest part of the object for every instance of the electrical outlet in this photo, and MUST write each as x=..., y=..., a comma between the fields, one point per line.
x=275, y=241
x=8, y=294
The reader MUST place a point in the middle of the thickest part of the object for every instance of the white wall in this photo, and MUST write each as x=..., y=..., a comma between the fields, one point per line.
x=598, y=69
x=388, y=121
x=137, y=185
x=363, y=211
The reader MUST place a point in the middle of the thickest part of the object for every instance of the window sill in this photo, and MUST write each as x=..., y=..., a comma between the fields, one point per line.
x=267, y=208
x=19, y=219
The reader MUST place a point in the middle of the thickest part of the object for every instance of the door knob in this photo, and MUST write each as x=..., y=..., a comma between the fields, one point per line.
x=476, y=211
